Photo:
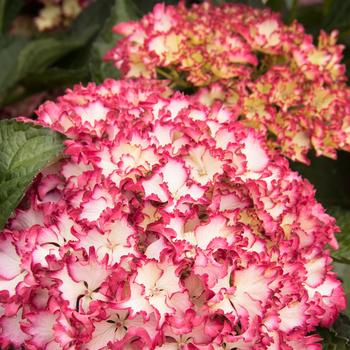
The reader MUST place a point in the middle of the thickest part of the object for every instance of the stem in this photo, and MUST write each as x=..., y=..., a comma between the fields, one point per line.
x=174, y=77
x=164, y=74
x=341, y=260
x=293, y=11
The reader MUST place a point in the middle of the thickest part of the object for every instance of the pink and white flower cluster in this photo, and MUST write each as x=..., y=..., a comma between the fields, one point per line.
x=166, y=226
x=56, y=14
x=270, y=74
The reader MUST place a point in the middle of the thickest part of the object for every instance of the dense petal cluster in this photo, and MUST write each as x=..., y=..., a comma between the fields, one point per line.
x=271, y=74
x=58, y=13
x=166, y=226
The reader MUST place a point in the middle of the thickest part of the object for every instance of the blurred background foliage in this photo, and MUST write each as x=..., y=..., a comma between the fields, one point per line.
x=49, y=45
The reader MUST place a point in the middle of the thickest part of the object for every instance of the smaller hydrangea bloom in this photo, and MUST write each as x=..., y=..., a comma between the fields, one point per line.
x=271, y=75
x=167, y=225
x=58, y=13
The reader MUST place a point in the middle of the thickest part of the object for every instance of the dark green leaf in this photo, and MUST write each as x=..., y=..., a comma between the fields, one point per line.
x=10, y=48
x=343, y=272
x=276, y=5
x=39, y=54
x=311, y=17
x=337, y=337
x=327, y=7
x=147, y=6
x=342, y=255
x=330, y=178
x=99, y=69
x=2, y=14
x=253, y=3
x=25, y=149
x=50, y=79
x=92, y=18
x=20, y=57
x=56, y=77
x=337, y=15
x=122, y=11
x=8, y=11
x=342, y=327
x=281, y=7
x=343, y=237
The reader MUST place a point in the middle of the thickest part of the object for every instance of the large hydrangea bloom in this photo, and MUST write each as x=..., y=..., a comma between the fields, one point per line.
x=166, y=226
x=271, y=75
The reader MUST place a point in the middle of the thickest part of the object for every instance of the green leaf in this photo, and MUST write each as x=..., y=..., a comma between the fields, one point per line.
x=39, y=54
x=253, y=3
x=20, y=57
x=276, y=5
x=55, y=76
x=282, y=8
x=8, y=11
x=2, y=14
x=10, y=48
x=147, y=6
x=92, y=18
x=337, y=337
x=311, y=17
x=25, y=149
x=330, y=178
x=343, y=273
x=342, y=255
x=50, y=79
x=122, y=11
x=337, y=15
x=343, y=237
x=327, y=6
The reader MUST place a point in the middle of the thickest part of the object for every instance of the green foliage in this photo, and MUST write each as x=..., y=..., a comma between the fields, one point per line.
x=122, y=11
x=22, y=57
x=343, y=237
x=254, y=3
x=336, y=14
x=49, y=61
x=329, y=177
x=40, y=54
x=25, y=149
x=342, y=255
x=338, y=336
x=8, y=11
x=92, y=18
x=10, y=48
x=55, y=76
x=343, y=273
x=147, y=6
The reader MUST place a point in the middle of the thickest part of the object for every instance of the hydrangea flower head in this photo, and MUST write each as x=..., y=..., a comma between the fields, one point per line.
x=166, y=226
x=58, y=13
x=270, y=74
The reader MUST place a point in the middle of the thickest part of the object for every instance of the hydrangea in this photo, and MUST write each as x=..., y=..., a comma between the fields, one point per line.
x=58, y=13
x=270, y=74
x=167, y=225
